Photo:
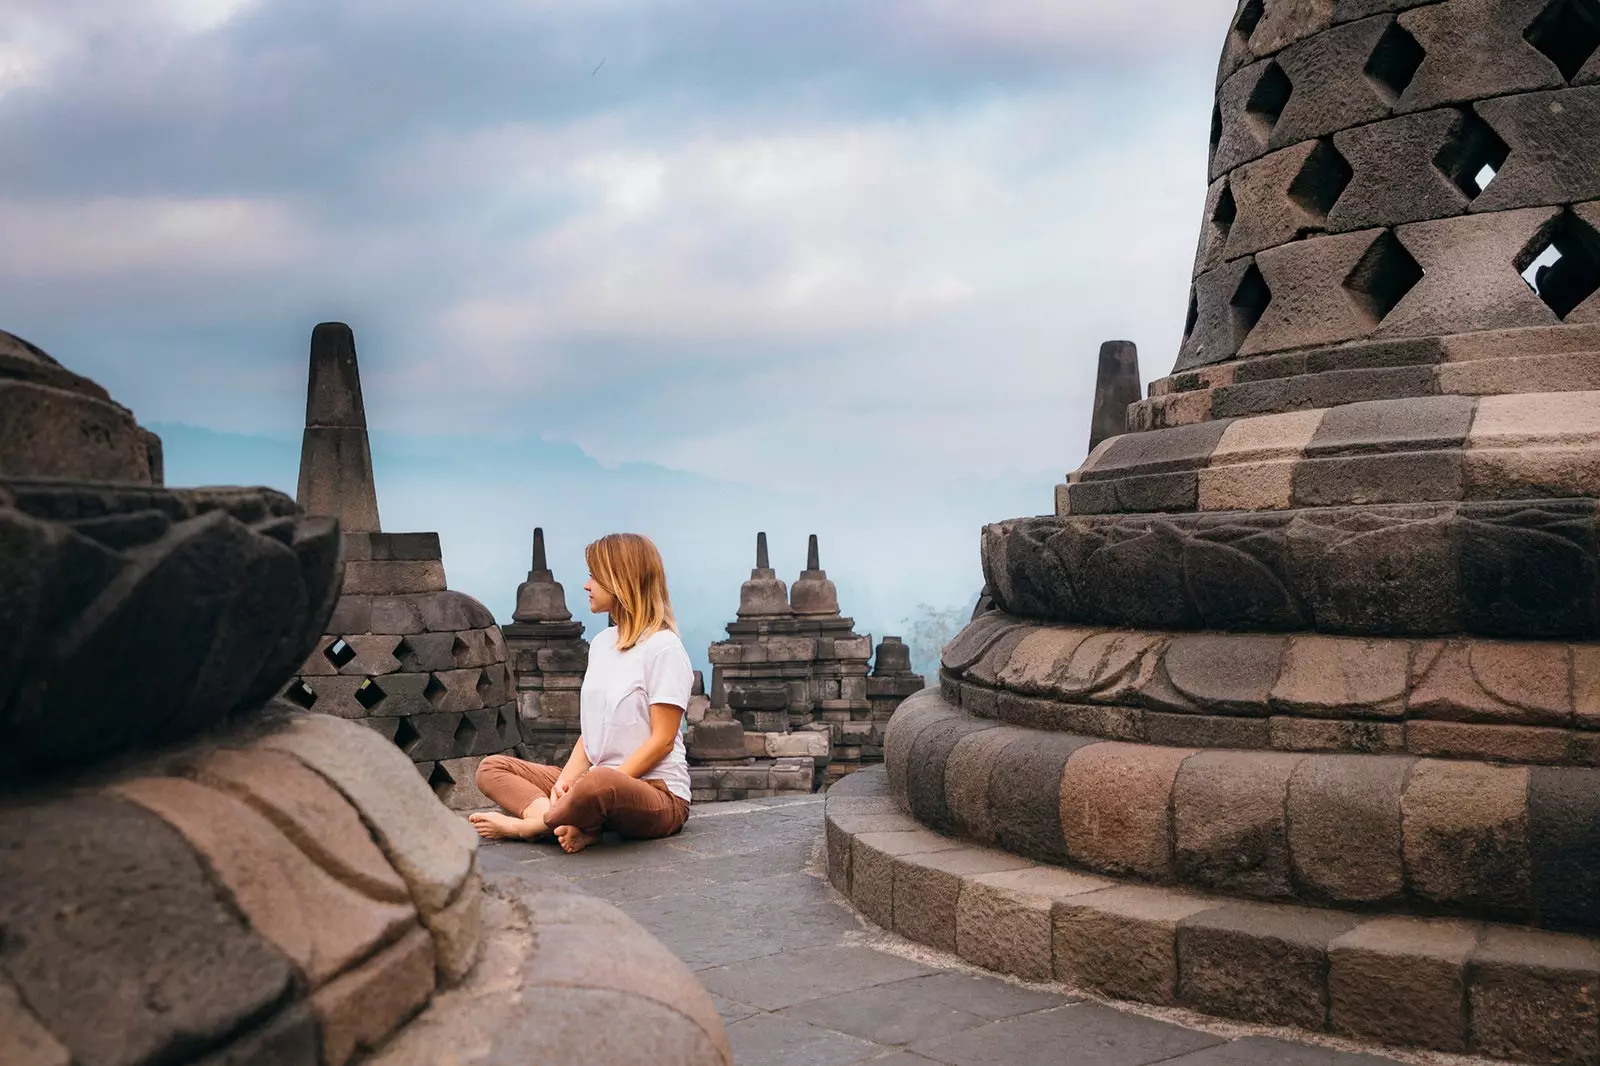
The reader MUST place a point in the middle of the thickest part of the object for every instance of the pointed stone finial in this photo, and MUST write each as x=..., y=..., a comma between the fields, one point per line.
x=1116, y=386
x=812, y=592
x=541, y=598
x=335, y=456
x=763, y=596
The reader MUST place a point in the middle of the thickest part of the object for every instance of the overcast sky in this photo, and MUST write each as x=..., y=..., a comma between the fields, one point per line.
x=782, y=244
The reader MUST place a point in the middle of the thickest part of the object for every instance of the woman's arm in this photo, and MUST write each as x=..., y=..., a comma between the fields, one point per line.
x=577, y=766
x=665, y=720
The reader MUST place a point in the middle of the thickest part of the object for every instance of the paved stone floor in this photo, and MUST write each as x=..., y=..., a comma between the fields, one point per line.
x=740, y=896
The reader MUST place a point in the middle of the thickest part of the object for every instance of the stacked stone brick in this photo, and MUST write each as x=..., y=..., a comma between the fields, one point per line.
x=548, y=658
x=424, y=666
x=791, y=705
x=1290, y=712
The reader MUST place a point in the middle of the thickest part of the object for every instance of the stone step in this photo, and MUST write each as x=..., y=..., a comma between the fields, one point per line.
x=1442, y=984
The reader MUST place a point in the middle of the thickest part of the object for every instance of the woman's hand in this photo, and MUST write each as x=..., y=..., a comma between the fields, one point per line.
x=559, y=789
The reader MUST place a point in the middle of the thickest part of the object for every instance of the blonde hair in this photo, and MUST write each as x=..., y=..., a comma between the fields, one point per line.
x=629, y=567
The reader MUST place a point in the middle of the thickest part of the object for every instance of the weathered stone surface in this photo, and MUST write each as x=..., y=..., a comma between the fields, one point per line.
x=1003, y=920
x=1466, y=836
x=1535, y=446
x=916, y=714
x=1563, y=840
x=1259, y=961
x=1025, y=796
x=1531, y=995
x=323, y=925
x=1345, y=827
x=1116, y=386
x=966, y=780
x=1402, y=981
x=1217, y=332
x=1252, y=466
x=873, y=860
x=1124, y=940
x=1402, y=146
x=1549, y=162
x=1332, y=89
x=430, y=847
x=925, y=777
x=1475, y=48
x=359, y=1010
x=1229, y=821
x=1322, y=675
x=122, y=977
x=1116, y=807
x=927, y=887
x=1227, y=674
x=24, y=1042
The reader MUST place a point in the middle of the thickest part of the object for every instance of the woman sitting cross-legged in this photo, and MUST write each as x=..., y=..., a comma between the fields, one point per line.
x=628, y=771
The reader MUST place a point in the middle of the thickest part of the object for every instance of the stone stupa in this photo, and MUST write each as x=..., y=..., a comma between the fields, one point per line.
x=1291, y=712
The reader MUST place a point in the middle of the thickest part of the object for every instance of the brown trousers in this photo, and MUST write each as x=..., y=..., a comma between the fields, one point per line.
x=600, y=799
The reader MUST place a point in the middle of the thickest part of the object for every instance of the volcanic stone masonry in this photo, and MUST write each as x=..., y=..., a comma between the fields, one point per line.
x=1291, y=711
x=791, y=704
x=192, y=871
x=423, y=666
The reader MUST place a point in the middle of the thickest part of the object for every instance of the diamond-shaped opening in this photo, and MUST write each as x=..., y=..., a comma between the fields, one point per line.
x=1249, y=301
x=459, y=650
x=1322, y=179
x=1194, y=315
x=405, y=653
x=1382, y=277
x=406, y=737
x=300, y=694
x=485, y=683
x=1567, y=32
x=1472, y=156
x=338, y=653
x=1216, y=127
x=1225, y=212
x=1394, y=62
x=434, y=691
x=1268, y=99
x=1249, y=18
x=1562, y=263
x=500, y=722
x=440, y=781
x=369, y=695
x=466, y=734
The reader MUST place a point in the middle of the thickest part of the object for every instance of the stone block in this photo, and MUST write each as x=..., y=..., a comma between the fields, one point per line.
x=1332, y=675
x=1380, y=479
x=352, y=614
x=400, y=615
x=1498, y=743
x=1475, y=49
x=1564, y=846
x=1332, y=89
x=1334, y=734
x=1310, y=303
x=1547, y=163
x=1266, y=214
x=1230, y=673
x=1116, y=802
x=916, y=714
x=130, y=955
x=23, y=1041
x=1345, y=827
x=1378, y=153
x=1491, y=682
x=374, y=654
x=1003, y=920
x=1025, y=795
x=1323, y=389
x=1218, y=330
x=927, y=888
x=1237, y=135
x=393, y=578
x=1205, y=731
x=807, y=744
x=966, y=780
x=391, y=547
x=1466, y=836
x=337, y=695
x=1123, y=941
x=1532, y=996
x=1469, y=275
x=873, y=859
x=359, y=1010
x=1577, y=371
x=429, y=846
x=1252, y=465
x=1229, y=820
x=721, y=740
x=1402, y=981
x=925, y=777
x=1258, y=961
x=1538, y=445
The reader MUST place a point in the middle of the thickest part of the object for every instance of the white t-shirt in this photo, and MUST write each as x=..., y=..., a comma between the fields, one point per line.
x=618, y=689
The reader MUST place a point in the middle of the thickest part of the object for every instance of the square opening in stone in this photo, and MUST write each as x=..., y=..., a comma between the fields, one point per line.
x=1562, y=263
x=1382, y=277
x=300, y=694
x=1567, y=32
x=1250, y=13
x=440, y=781
x=1322, y=179
x=1395, y=60
x=369, y=695
x=406, y=737
x=1268, y=99
x=1472, y=155
x=339, y=653
x=466, y=735
x=434, y=691
x=1249, y=302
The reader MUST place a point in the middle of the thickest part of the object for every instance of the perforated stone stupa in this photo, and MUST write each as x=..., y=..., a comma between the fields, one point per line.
x=548, y=659
x=1291, y=712
x=404, y=655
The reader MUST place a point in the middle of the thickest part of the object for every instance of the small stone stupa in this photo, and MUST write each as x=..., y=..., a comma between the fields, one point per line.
x=422, y=665
x=548, y=659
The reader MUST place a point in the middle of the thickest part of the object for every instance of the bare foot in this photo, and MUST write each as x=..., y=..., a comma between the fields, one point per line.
x=573, y=840
x=494, y=826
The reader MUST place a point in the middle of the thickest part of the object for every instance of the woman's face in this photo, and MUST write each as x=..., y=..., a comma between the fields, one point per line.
x=600, y=601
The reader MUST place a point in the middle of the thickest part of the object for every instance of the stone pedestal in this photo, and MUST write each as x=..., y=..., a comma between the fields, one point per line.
x=548, y=660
